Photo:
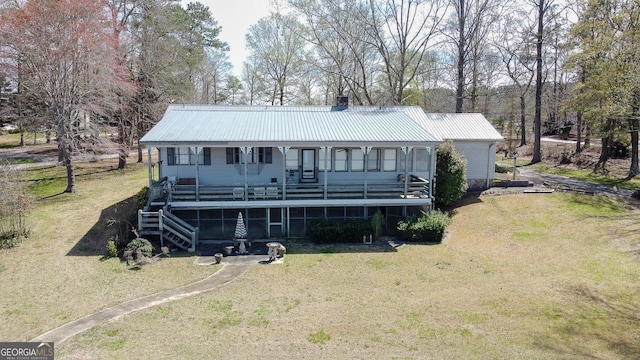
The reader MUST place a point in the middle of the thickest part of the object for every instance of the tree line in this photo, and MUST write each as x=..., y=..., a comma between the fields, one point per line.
x=531, y=66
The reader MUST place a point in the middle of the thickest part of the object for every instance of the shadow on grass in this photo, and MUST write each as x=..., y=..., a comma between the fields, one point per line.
x=114, y=221
x=593, y=319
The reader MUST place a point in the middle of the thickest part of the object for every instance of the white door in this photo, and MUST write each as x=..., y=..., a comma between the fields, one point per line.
x=308, y=164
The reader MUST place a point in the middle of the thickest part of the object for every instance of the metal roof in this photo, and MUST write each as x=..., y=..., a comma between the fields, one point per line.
x=221, y=125
x=457, y=127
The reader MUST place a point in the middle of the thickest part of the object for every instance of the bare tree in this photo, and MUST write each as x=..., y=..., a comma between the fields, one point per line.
x=473, y=20
x=67, y=55
x=343, y=52
x=403, y=31
x=277, y=47
x=514, y=46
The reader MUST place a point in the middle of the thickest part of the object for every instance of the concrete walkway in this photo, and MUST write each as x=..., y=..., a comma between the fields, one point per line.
x=228, y=273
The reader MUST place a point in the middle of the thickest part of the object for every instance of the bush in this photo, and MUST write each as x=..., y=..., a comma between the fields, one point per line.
x=141, y=198
x=428, y=228
x=139, y=247
x=501, y=169
x=112, y=249
x=377, y=221
x=451, y=180
x=620, y=149
x=323, y=231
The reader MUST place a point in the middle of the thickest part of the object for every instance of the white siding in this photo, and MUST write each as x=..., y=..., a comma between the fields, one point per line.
x=481, y=158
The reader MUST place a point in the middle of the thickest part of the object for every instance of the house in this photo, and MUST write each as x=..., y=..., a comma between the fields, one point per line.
x=283, y=167
x=473, y=137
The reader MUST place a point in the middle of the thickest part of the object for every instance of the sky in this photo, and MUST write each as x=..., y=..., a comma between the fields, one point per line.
x=235, y=17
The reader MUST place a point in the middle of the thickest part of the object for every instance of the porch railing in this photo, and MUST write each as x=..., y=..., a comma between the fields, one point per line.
x=374, y=190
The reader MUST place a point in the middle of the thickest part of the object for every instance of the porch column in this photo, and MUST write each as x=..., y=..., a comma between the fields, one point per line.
x=246, y=151
x=365, y=150
x=406, y=151
x=196, y=150
x=283, y=150
x=150, y=168
x=433, y=156
x=160, y=172
x=327, y=150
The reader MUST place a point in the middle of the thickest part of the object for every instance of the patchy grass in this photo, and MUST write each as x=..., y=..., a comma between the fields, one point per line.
x=8, y=141
x=519, y=276
x=59, y=273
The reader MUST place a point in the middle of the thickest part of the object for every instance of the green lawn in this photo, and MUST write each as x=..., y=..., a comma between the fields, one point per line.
x=519, y=276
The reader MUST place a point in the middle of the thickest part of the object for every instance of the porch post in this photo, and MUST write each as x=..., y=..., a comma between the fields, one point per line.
x=150, y=167
x=197, y=151
x=160, y=172
x=326, y=149
x=406, y=176
x=365, y=150
x=246, y=151
x=283, y=150
x=434, y=156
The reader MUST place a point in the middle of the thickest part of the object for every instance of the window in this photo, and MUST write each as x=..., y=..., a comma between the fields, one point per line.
x=186, y=156
x=292, y=159
x=321, y=159
x=373, y=160
x=341, y=159
x=258, y=155
x=409, y=162
x=422, y=160
x=390, y=163
x=357, y=160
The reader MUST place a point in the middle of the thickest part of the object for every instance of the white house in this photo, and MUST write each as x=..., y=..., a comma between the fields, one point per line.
x=283, y=167
x=474, y=137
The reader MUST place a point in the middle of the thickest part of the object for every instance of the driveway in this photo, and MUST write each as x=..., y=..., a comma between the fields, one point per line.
x=568, y=184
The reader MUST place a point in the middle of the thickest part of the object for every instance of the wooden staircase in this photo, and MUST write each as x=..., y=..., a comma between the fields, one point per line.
x=169, y=227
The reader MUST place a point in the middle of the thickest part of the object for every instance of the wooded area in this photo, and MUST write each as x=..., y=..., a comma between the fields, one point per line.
x=70, y=67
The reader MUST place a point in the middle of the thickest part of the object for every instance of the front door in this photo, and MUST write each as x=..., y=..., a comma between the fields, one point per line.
x=309, y=164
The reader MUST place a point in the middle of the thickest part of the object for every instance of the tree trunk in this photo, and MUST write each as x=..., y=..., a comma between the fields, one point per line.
x=537, y=149
x=523, y=128
x=71, y=176
x=140, y=159
x=605, y=150
x=633, y=169
x=587, y=135
x=579, y=132
x=124, y=146
x=461, y=46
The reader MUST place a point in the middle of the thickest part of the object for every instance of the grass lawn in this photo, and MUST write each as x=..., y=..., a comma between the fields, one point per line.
x=519, y=276
x=58, y=274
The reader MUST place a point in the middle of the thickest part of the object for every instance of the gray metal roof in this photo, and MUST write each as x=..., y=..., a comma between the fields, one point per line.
x=222, y=125
x=457, y=127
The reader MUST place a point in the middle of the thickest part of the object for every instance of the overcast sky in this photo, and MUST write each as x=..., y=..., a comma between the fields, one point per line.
x=235, y=17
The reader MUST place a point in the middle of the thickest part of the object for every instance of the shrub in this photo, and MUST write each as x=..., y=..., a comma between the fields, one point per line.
x=141, y=198
x=620, y=149
x=376, y=223
x=139, y=247
x=325, y=231
x=501, y=169
x=112, y=249
x=427, y=228
x=451, y=181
